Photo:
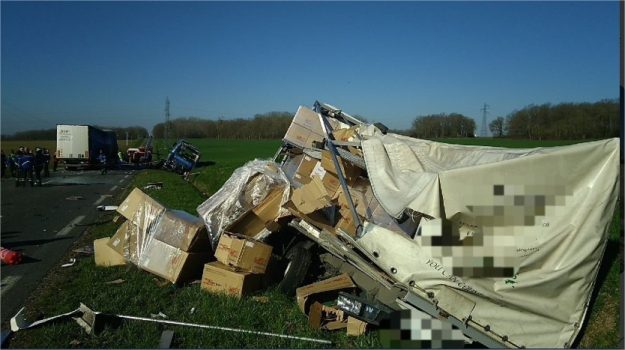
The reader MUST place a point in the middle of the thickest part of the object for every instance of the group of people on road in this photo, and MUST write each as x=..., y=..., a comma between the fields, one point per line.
x=26, y=165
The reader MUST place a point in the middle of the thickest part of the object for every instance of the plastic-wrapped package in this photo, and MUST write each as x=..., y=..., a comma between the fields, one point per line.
x=181, y=230
x=142, y=212
x=170, y=243
x=139, y=228
x=247, y=187
x=170, y=262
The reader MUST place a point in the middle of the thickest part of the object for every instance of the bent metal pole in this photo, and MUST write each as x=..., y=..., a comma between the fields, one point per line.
x=327, y=130
x=239, y=330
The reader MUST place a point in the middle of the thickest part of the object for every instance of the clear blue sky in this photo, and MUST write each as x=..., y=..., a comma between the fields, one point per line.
x=114, y=63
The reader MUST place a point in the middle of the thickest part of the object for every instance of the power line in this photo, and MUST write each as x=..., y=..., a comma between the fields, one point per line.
x=484, y=112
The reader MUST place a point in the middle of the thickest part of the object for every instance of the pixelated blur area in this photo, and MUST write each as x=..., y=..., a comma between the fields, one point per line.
x=482, y=243
x=412, y=329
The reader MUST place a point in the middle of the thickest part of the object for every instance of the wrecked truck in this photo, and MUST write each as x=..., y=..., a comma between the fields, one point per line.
x=182, y=157
x=504, y=244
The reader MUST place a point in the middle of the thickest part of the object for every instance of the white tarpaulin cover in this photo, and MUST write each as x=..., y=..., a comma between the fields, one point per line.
x=519, y=233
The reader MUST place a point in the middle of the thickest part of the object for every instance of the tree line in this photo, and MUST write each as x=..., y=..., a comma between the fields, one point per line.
x=271, y=125
x=443, y=125
x=134, y=133
x=546, y=121
x=566, y=121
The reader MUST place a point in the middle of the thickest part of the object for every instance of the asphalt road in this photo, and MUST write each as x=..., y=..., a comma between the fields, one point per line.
x=43, y=222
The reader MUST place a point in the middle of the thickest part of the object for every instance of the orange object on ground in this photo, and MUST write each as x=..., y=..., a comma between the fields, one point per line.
x=10, y=257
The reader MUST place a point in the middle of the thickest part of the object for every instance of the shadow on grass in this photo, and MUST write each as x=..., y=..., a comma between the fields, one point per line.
x=612, y=253
x=202, y=164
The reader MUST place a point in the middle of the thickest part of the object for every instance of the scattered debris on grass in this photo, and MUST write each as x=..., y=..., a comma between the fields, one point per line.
x=106, y=207
x=117, y=281
x=153, y=186
x=70, y=263
x=94, y=321
x=86, y=250
x=166, y=338
x=261, y=299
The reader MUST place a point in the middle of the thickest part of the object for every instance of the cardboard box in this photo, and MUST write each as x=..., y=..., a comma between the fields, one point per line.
x=260, y=217
x=105, y=255
x=301, y=136
x=305, y=128
x=119, y=241
x=125, y=241
x=219, y=278
x=315, y=218
x=311, y=197
x=331, y=183
x=170, y=262
x=138, y=199
x=350, y=171
x=306, y=168
x=182, y=230
x=303, y=294
x=348, y=134
x=258, y=186
x=326, y=317
x=355, y=326
x=346, y=223
x=243, y=252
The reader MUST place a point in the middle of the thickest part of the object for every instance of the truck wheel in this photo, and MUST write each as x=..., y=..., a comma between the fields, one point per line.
x=299, y=258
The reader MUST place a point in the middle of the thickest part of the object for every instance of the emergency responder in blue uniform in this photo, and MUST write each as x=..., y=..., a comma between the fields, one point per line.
x=38, y=161
x=24, y=168
x=102, y=159
x=46, y=164
x=12, y=163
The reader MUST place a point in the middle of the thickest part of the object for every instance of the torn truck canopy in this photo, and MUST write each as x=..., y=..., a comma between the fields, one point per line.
x=510, y=239
x=542, y=213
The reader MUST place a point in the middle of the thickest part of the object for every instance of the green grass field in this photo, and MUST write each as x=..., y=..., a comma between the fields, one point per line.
x=141, y=294
x=219, y=158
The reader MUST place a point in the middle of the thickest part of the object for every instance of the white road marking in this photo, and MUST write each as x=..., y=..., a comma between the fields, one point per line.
x=113, y=188
x=65, y=230
x=121, y=180
x=47, y=182
x=8, y=283
x=126, y=176
x=102, y=197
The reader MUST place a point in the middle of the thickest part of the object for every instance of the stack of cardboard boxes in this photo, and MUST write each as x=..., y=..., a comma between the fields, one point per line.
x=172, y=244
x=321, y=201
x=240, y=266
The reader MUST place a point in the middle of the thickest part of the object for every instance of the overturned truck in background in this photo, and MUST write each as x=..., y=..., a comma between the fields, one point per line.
x=504, y=244
x=182, y=158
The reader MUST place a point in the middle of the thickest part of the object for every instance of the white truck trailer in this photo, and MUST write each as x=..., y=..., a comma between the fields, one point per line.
x=78, y=146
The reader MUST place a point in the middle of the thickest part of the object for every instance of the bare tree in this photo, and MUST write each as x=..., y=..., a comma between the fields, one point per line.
x=496, y=127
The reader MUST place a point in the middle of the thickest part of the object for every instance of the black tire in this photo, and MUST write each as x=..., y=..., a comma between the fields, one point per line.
x=299, y=258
